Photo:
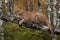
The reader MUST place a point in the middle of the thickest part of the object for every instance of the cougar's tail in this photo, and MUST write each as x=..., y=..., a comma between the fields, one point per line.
x=50, y=28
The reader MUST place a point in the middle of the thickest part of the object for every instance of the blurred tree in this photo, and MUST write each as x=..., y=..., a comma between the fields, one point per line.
x=43, y=4
x=26, y=4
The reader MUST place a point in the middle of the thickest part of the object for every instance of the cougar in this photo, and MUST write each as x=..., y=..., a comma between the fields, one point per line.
x=36, y=17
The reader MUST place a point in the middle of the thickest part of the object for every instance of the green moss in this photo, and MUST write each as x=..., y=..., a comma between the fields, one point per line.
x=24, y=33
x=58, y=38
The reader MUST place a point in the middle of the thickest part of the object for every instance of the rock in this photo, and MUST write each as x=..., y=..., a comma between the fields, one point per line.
x=36, y=26
x=1, y=30
x=1, y=23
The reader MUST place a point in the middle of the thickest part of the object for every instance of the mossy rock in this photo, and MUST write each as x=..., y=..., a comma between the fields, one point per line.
x=24, y=33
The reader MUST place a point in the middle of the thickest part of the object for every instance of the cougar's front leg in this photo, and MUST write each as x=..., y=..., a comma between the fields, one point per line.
x=21, y=22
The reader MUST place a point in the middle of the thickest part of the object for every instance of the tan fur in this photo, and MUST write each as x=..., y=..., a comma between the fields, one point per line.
x=33, y=17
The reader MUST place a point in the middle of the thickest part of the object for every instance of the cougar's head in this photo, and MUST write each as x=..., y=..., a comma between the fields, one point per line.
x=18, y=13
